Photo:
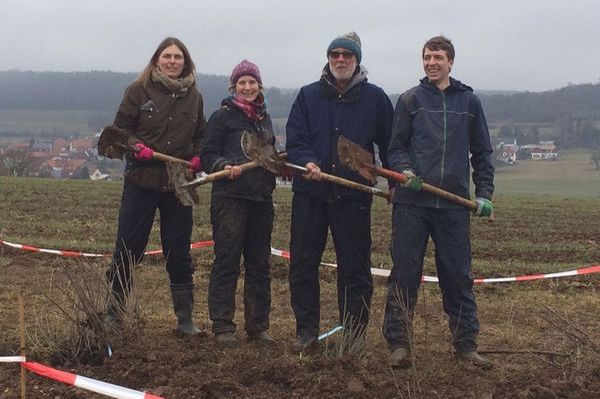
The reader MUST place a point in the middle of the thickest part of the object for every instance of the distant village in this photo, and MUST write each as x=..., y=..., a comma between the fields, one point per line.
x=78, y=158
x=508, y=151
x=65, y=158
x=60, y=158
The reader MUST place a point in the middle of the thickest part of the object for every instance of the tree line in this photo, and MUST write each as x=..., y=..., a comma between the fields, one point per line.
x=102, y=91
x=573, y=112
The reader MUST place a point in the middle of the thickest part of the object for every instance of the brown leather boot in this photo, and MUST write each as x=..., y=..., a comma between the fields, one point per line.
x=227, y=340
x=262, y=337
x=475, y=358
x=304, y=344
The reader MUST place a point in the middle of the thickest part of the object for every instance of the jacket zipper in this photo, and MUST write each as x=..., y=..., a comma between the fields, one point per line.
x=443, y=145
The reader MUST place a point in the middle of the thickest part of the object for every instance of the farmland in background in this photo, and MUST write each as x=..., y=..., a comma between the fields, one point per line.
x=547, y=217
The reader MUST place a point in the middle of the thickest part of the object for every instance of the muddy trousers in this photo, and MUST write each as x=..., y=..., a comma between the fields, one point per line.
x=449, y=229
x=136, y=217
x=350, y=224
x=240, y=226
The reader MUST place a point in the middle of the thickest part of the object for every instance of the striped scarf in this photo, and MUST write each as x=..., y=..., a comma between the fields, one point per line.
x=255, y=110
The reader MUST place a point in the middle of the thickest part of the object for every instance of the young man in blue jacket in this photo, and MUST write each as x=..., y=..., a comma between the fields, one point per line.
x=341, y=103
x=438, y=127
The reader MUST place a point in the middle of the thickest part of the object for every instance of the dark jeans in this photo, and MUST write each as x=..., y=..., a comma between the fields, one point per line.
x=240, y=226
x=449, y=229
x=136, y=216
x=350, y=224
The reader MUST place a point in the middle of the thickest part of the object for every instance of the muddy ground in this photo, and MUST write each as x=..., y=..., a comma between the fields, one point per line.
x=544, y=336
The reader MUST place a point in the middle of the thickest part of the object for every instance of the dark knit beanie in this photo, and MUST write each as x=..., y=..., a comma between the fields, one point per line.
x=349, y=41
x=244, y=68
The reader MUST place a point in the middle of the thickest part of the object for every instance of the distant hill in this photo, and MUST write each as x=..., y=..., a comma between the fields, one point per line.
x=570, y=114
x=102, y=91
x=580, y=102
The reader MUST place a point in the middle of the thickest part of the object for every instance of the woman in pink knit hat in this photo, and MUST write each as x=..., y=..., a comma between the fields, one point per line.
x=241, y=210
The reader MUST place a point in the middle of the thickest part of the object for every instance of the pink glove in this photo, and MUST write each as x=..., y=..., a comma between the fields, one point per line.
x=196, y=165
x=142, y=152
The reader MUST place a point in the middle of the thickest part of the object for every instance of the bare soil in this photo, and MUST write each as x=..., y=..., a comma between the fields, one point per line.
x=520, y=320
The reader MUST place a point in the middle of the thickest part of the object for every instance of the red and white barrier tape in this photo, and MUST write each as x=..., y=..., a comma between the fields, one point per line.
x=30, y=248
x=374, y=271
x=434, y=279
x=114, y=391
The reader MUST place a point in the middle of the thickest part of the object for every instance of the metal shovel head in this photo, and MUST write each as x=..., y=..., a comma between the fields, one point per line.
x=353, y=156
x=356, y=158
x=179, y=175
x=262, y=153
x=113, y=143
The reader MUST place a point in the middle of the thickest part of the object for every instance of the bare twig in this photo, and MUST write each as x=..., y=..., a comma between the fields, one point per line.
x=569, y=329
x=524, y=351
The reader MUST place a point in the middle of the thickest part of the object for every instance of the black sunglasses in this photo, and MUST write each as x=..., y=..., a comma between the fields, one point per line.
x=336, y=54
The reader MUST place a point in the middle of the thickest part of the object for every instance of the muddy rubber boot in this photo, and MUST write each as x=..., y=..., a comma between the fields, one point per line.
x=475, y=358
x=400, y=358
x=183, y=303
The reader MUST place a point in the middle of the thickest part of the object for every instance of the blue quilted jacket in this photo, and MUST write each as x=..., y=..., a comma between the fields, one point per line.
x=437, y=134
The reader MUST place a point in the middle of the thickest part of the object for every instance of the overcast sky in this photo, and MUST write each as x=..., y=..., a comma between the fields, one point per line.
x=531, y=45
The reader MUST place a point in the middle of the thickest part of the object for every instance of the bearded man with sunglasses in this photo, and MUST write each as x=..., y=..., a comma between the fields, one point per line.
x=341, y=103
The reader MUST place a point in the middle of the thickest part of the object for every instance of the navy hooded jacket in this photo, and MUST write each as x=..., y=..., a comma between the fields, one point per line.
x=434, y=134
x=363, y=114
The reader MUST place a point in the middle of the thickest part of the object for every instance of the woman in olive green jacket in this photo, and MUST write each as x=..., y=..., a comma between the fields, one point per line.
x=162, y=111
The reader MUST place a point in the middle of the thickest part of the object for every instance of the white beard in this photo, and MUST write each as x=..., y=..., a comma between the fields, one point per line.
x=339, y=75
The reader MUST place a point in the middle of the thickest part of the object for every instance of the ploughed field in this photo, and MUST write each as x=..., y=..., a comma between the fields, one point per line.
x=543, y=335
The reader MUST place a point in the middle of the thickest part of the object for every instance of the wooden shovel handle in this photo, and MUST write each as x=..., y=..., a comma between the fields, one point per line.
x=344, y=182
x=223, y=174
x=429, y=188
x=356, y=186
x=164, y=157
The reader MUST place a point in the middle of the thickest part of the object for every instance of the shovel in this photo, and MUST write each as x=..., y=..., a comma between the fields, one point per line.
x=114, y=143
x=356, y=158
x=266, y=156
x=222, y=174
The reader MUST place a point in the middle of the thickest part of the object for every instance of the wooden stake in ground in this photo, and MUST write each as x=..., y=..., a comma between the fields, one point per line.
x=22, y=339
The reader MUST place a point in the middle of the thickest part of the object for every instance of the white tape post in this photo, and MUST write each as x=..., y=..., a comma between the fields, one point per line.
x=12, y=359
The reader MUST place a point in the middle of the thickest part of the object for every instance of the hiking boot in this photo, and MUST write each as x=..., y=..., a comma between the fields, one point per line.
x=262, y=337
x=475, y=358
x=400, y=358
x=227, y=340
x=303, y=344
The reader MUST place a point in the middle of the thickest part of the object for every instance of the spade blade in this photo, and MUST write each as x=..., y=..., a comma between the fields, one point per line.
x=262, y=153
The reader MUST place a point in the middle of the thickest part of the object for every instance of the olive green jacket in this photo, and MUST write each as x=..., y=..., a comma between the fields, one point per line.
x=167, y=122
